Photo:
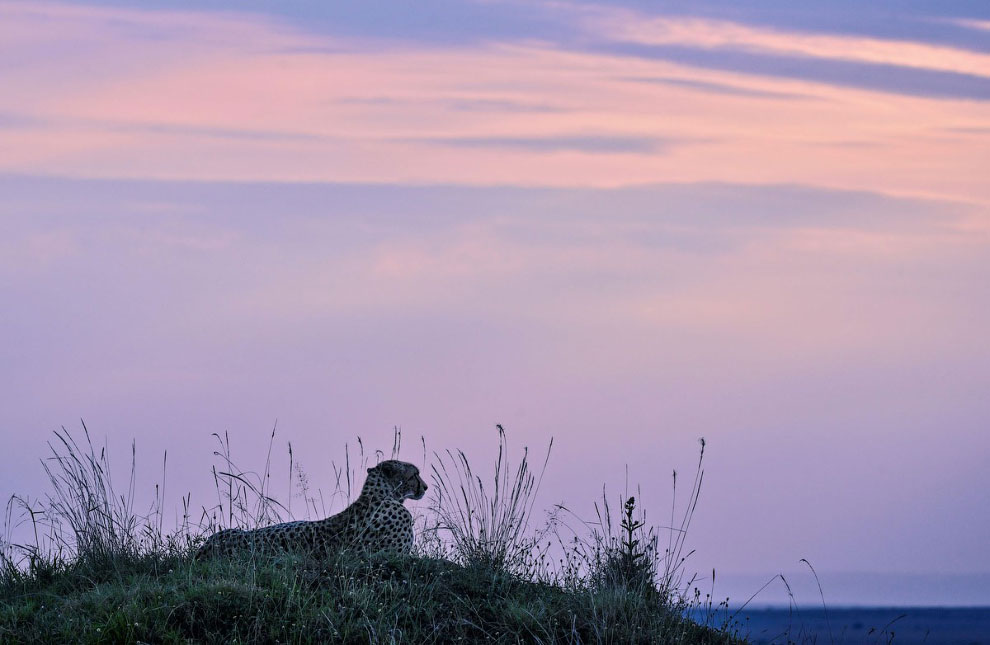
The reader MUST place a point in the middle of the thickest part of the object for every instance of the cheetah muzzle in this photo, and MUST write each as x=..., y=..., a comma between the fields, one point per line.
x=376, y=521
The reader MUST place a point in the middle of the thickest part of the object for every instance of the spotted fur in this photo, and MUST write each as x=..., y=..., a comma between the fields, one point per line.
x=376, y=521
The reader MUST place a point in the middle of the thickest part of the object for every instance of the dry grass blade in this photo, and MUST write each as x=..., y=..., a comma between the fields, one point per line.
x=486, y=527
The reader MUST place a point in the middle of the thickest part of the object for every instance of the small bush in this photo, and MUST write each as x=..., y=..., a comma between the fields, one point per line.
x=629, y=560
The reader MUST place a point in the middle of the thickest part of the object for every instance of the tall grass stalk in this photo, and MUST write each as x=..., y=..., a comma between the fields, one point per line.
x=102, y=523
x=244, y=497
x=486, y=524
x=672, y=577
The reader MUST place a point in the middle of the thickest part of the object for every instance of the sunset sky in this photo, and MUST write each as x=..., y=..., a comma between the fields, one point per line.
x=626, y=225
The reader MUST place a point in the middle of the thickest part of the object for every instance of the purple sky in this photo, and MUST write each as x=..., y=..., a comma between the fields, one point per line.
x=619, y=226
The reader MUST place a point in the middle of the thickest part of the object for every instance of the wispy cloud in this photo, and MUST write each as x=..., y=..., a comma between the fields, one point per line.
x=719, y=88
x=590, y=144
x=186, y=94
x=636, y=27
x=978, y=25
x=881, y=64
x=962, y=129
x=146, y=127
x=481, y=104
x=878, y=77
x=14, y=120
x=470, y=104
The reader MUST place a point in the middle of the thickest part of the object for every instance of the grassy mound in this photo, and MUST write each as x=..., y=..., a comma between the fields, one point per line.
x=98, y=572
x=174, y=599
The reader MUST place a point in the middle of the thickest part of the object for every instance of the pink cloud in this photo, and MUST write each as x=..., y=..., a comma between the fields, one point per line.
x=219, y=96
x=631, y=26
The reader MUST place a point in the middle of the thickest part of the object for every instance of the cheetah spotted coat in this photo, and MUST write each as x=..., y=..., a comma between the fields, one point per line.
x=376, y=521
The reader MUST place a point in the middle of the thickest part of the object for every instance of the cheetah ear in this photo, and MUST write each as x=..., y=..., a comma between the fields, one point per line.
x=387, y=468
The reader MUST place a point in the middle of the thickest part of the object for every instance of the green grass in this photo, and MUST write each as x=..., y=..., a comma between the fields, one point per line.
x=97, y=572
x=349, y=600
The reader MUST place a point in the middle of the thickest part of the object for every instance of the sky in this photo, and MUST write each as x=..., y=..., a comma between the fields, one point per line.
x=623, y=225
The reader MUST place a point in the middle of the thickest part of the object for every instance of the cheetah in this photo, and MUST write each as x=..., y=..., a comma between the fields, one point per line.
x=376, y=521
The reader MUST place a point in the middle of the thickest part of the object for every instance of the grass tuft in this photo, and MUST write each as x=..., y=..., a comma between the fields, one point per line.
x=487, y=526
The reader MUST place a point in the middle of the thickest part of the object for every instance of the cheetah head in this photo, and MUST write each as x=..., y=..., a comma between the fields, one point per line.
x=402, y=479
